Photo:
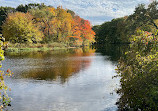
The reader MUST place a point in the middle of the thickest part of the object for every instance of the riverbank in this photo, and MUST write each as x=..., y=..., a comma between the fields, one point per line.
x=36, y=47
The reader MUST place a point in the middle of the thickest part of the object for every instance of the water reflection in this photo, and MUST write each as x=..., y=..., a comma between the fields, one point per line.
x=52, y=65
x=66, y=80
x=113, y=51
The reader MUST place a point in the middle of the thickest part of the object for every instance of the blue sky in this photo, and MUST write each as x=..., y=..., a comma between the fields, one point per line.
x=96, y=11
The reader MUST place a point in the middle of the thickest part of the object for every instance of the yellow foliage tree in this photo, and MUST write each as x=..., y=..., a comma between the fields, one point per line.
x=43, y=19
x=62, y=24
x=19, y=28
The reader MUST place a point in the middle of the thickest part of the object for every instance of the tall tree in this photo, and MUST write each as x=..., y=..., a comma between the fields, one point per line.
x=88, y=33
x=20, y=28
x=63, y=24
x=25, y=8
x=143, y=15
x=3, y=14
x=43, y=18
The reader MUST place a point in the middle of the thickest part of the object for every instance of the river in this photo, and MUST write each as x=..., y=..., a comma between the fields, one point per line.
x=63, y=80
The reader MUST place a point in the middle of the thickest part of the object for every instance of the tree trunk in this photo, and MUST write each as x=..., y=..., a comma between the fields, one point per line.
x=154, y=24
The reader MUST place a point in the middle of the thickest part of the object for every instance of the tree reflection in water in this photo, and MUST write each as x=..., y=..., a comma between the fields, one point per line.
x=54, y=65
x=114, y=51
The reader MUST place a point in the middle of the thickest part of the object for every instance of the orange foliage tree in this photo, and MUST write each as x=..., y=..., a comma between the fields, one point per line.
x=88, y=33
x=56, y=24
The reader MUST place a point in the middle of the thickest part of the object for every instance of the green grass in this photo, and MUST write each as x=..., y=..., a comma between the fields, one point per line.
x=35, y=47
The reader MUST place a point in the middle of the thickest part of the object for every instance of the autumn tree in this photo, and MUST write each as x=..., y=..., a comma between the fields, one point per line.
x=43, y=19
x=82, y=32
x=75, y=38
x=56, y=24
x=62, y=24
x=19, y=27
x=88, y=33
x=4, y=98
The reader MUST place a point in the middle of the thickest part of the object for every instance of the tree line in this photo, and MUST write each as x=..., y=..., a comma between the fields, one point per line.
x=120, y=30
x=138, y=70
x=138, y=67
x=34, y=23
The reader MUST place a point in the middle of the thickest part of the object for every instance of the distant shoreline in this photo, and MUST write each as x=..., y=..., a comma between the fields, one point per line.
x=38, y=47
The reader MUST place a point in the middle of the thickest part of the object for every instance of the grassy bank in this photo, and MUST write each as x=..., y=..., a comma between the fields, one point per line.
x=36, y=47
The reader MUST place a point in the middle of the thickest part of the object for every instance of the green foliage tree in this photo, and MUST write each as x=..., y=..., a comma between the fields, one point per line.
x=120, y=30
x=144, y=15
x=112, y=32
x=138, y=70
x=25, y=8
x=71, y=12
x=3, y=14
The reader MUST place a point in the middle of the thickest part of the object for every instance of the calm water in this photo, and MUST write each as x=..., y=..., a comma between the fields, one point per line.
x=69, y=80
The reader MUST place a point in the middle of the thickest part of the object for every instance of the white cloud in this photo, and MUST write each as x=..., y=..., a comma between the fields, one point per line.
x=103, y=10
